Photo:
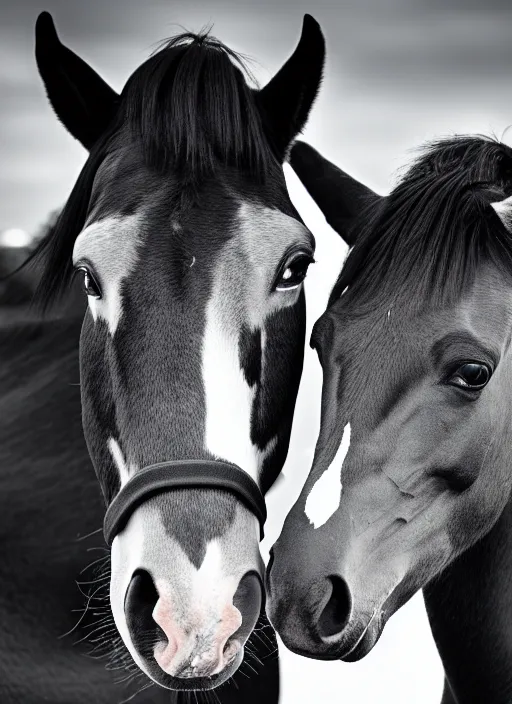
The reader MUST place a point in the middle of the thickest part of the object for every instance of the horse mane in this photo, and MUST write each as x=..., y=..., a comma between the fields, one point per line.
x=435, y=228
x=189, y=109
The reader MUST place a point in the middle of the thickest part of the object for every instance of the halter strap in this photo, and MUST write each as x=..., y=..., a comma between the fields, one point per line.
x=176, y=475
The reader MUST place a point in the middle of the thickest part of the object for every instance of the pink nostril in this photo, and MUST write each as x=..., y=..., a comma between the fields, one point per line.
x=139, y=604
x=202, y=651
x=165, y=653
x=149, y=619
x=199, y=642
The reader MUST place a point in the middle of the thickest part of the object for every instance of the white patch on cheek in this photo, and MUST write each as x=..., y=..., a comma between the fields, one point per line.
x=325, y=496
x=111, y=245
x=117, y=455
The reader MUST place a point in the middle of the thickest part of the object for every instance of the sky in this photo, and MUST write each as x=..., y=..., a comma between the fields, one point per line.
x=398, y=73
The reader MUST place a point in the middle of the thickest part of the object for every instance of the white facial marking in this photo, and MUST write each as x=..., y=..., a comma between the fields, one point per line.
x=325, y=496
x=93, y=307
x=195, y=605
x=503, y=209
x=211, y=615
x=124, y=470
x=111, y=246
x=209, y=580
x=123, y=564
x=229, y=398
x=344, y=290
x=264, y=236
x=241, y=295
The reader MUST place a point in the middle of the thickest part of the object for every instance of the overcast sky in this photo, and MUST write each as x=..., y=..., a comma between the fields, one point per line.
x=398, y=72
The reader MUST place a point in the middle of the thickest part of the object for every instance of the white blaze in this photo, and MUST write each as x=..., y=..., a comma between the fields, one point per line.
x=210, y=580
x=241, y=294
x=325, y=496
x=229, y=398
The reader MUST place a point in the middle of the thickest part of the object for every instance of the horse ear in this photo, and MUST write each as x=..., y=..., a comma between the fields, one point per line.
x=339, y=196
x=286, y=101
x=503, y=209
x=82, y=101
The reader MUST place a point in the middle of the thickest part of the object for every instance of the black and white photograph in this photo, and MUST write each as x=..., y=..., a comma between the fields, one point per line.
x=255, y=352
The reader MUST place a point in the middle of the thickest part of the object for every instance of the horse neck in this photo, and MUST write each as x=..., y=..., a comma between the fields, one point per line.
x=470, y=611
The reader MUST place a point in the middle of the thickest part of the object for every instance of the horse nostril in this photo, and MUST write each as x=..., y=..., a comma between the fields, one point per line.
x=247, y=600
x=336, y=613
x=140, y=600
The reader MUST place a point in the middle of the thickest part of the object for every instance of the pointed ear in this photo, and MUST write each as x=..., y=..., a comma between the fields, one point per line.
x=285, y=102
x=503, y=209
x=339, y=196
x=82, y=101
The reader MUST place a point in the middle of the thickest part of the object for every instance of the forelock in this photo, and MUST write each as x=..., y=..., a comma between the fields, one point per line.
x=434, y=229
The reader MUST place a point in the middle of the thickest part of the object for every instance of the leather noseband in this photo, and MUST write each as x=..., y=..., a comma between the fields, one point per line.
x=180, y=474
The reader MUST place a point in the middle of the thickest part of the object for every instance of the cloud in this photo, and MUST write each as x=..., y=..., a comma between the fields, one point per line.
x=398, y=72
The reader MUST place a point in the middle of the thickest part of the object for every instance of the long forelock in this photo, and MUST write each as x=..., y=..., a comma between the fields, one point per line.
x=190, y=107
x=435, y=228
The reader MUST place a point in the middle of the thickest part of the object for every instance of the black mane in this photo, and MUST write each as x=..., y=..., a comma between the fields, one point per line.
x=435, y=227
x=187, y=108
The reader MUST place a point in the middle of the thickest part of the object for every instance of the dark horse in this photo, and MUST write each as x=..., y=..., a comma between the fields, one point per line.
x=411, y=480
x=193, y=260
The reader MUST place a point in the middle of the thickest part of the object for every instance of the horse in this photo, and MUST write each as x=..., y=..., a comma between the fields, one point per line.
x=410, y=485
x=58, y=641
x=192, y=258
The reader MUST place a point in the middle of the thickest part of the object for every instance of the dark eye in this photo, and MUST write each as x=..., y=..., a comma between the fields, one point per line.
x=294, y=272
x=471, y=376
x=90, y=285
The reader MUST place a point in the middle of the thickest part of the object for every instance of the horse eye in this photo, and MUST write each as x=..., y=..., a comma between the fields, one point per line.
x=294, y=273
x=471, y=376
x=90, y=285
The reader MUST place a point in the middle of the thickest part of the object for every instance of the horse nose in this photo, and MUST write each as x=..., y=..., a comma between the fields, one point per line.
x=313, y=620
x=336, y=613
x=203, y=647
